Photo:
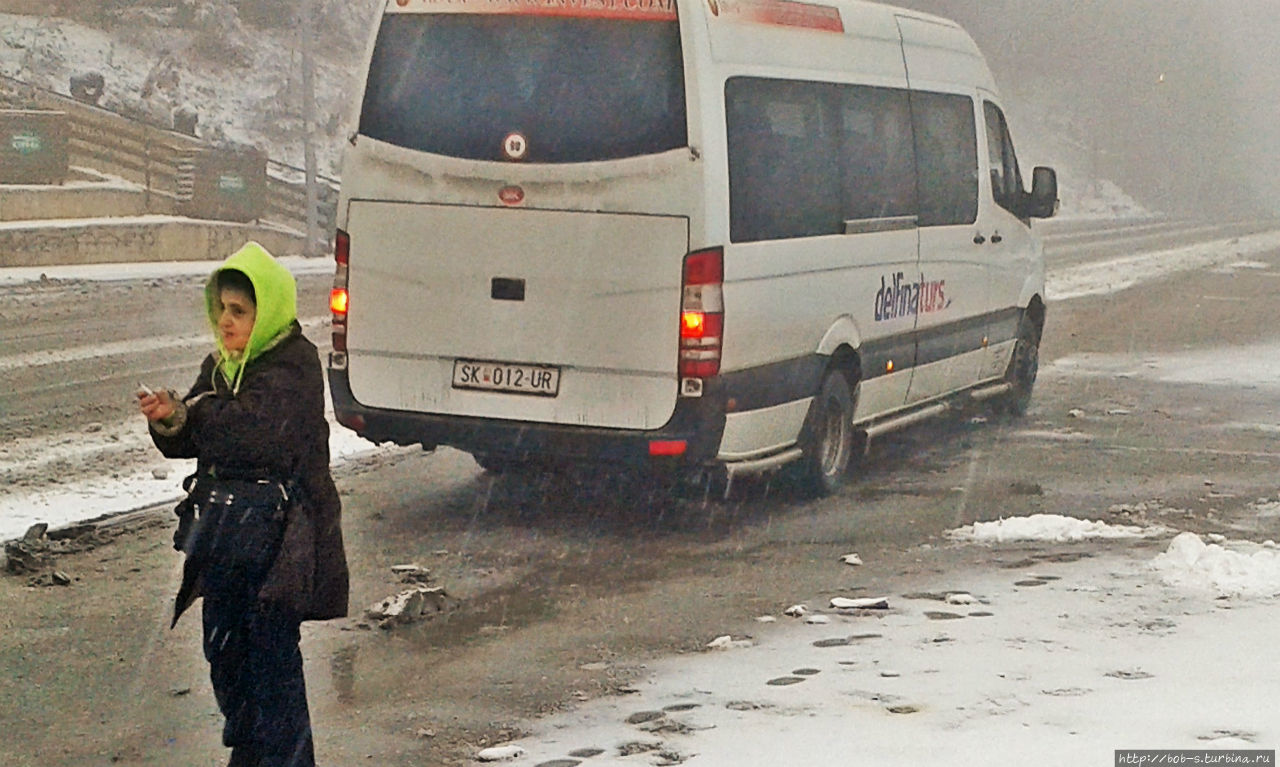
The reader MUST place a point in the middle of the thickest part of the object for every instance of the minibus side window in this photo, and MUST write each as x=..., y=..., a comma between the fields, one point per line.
x=946, y=158
x=877, y=157
x=1006, y=179
x=783, y=139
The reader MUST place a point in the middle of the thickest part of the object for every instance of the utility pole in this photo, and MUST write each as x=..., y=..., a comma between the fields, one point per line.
x=308, y=31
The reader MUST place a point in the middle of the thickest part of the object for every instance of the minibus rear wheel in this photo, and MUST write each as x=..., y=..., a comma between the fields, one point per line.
x=827, y=440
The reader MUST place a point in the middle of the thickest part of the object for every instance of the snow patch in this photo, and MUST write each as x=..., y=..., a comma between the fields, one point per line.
x=1103, y=277
x=1256, y=366
x=1046, y=527
x=144, y=270
x=1238, y=265
x=122, y=477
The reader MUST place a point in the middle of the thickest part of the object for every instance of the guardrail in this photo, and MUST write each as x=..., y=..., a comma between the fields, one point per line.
x=152, y=157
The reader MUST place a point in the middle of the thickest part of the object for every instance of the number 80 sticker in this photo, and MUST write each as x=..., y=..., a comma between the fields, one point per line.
x=515, y=146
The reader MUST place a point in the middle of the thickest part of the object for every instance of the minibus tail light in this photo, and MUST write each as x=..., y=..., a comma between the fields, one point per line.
x=702, y=314
x=338, y=302
x=339, y=299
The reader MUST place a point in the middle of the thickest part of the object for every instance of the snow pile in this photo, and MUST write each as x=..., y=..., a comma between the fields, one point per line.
x=1099, y=198
x=1045, y=527
x=1244, y=570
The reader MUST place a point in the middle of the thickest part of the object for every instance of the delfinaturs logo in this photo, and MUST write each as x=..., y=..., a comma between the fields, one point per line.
x=899, y=298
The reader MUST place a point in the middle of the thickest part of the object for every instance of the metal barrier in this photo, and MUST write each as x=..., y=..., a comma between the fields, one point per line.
x=223, y=184
x=33, y=146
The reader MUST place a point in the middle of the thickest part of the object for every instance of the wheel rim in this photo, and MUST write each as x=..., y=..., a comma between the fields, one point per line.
x=832, y=445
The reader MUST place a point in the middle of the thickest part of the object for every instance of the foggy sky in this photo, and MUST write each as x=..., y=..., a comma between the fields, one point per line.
x=1180, y=99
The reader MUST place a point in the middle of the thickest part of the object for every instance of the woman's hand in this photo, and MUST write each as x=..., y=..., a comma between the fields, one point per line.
x=156, y=406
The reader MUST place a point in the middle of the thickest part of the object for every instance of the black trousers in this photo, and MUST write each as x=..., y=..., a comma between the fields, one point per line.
x=252, y=647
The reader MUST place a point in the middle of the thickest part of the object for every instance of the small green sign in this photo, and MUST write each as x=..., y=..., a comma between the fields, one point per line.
x=230, y=183
x=26, y=142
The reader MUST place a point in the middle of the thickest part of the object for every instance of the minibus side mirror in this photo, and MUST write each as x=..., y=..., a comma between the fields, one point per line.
x=1042, y=202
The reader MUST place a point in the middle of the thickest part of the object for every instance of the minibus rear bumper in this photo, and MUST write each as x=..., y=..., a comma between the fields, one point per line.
x=691, y=437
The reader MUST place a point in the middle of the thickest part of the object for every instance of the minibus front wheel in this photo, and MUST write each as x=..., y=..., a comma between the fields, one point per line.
x=1021, y=374
x=827, y=440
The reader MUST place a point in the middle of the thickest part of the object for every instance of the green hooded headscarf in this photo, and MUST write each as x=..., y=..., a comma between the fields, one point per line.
x=276, y=299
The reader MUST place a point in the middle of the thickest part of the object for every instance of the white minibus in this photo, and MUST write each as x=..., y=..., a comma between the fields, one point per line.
x=708, y=235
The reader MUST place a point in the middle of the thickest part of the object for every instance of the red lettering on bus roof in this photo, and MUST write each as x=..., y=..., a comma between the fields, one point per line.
x=785, y=13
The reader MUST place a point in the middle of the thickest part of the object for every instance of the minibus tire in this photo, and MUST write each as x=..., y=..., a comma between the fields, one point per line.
x=827, y=440
x=1023, y=367
x=496, y=464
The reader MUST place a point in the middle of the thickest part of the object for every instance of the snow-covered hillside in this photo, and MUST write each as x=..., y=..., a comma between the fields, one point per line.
x=244, y=81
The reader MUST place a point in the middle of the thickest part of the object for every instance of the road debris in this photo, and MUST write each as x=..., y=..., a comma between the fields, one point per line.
x=860, y=603
x=410, y=605
x=52, y=578
x=500, y=753
x=30, y=553
x=851, y=559
x=412, y=573
x=727, y=642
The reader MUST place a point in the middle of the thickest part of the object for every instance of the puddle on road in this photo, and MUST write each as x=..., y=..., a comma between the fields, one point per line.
x=1251, y=367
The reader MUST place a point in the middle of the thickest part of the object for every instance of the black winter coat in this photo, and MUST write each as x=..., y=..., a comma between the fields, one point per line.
x=274, y=426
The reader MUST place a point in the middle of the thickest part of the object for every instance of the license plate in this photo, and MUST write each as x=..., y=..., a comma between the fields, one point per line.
x=542, y=380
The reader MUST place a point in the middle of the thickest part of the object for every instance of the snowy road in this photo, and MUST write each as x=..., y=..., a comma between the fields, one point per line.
x=77, y=340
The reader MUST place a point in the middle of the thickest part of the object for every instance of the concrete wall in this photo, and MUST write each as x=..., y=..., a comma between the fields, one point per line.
x=19, y=203
x=31, y=7
x=148, y=238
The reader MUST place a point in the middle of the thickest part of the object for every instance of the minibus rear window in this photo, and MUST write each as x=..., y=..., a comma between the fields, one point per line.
x=577, y=89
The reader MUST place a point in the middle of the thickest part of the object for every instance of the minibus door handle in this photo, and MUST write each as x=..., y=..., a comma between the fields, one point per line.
x=978, y=239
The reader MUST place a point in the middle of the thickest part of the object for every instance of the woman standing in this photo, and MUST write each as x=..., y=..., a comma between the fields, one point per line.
x=256, y=413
